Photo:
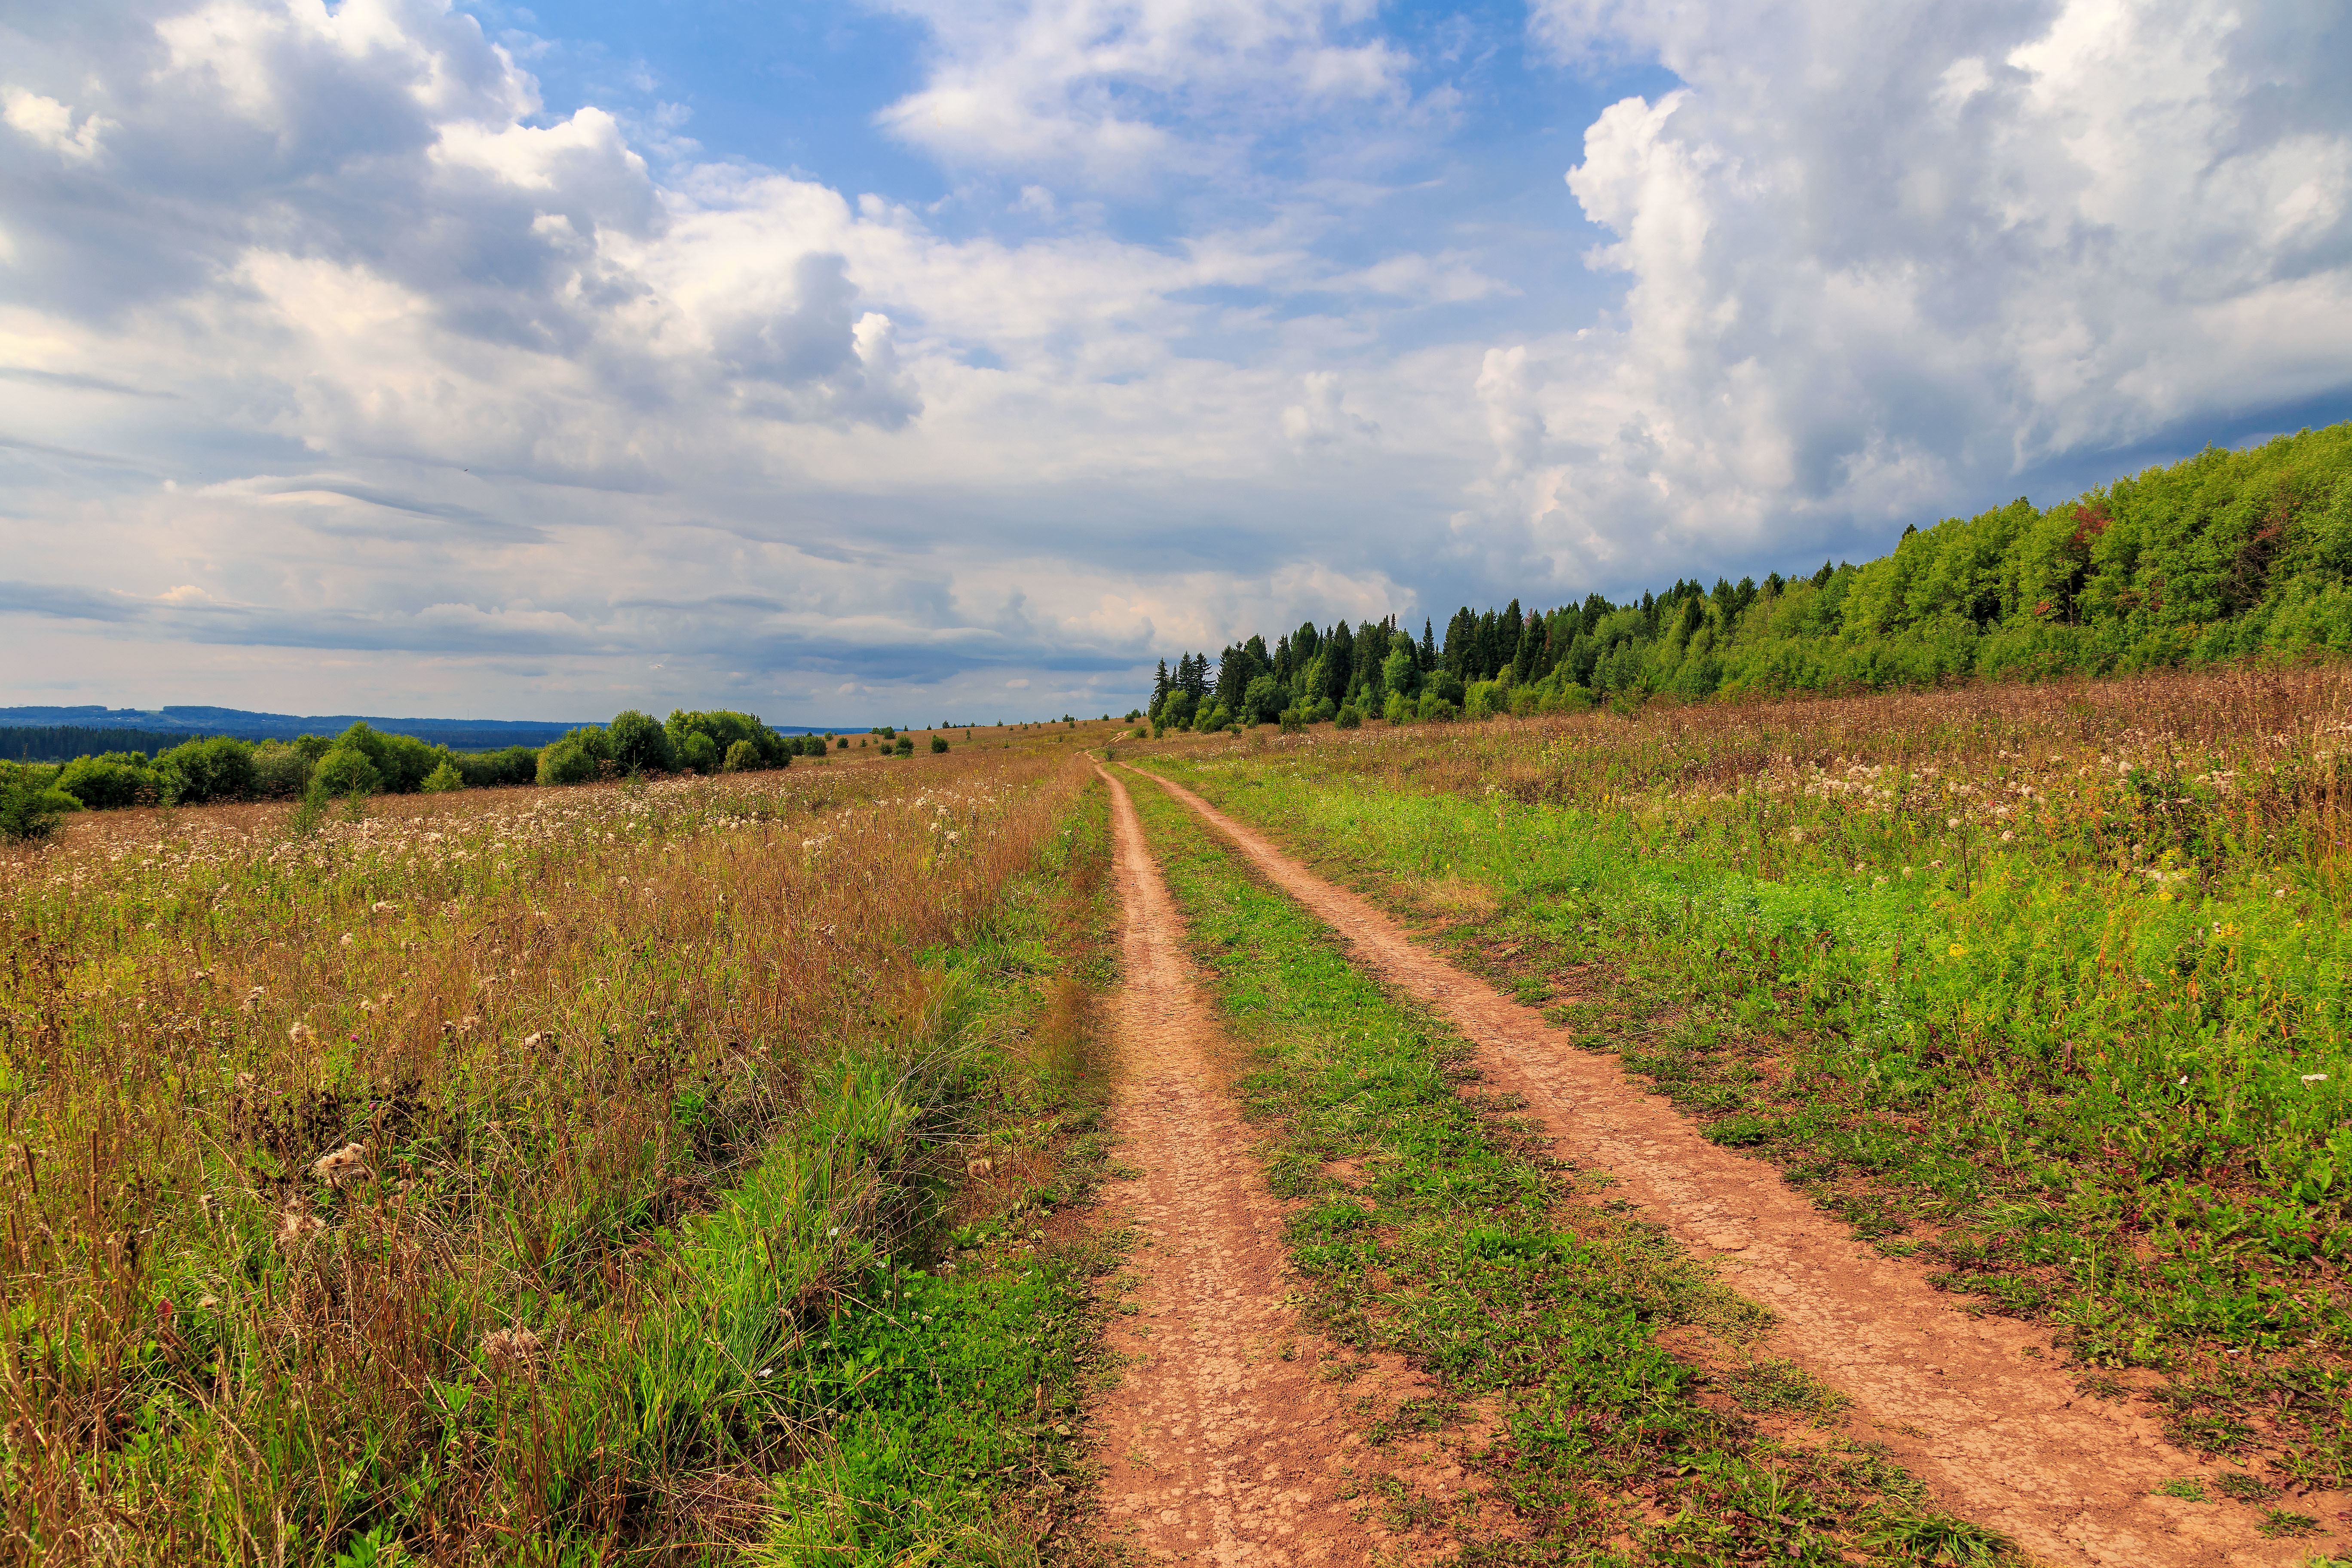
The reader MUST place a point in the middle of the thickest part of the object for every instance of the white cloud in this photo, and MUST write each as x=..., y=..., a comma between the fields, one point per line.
x=1876, y=266
x=1112, y=90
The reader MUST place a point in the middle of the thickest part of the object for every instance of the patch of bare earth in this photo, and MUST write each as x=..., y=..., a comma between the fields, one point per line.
x=1979, y=1408
x=1234, y=1435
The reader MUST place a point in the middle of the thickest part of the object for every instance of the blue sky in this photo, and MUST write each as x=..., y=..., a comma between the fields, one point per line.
x=837, y=361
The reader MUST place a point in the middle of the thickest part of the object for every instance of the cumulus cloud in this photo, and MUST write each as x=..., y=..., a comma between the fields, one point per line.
x=1873, y=269
x=1108, y=90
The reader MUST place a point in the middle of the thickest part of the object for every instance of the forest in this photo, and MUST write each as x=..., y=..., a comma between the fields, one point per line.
x=2222, y=557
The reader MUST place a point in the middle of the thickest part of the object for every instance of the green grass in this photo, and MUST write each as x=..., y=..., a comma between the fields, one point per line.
x=666, y=1097
x=2084, y=1052
x=1467, y=1249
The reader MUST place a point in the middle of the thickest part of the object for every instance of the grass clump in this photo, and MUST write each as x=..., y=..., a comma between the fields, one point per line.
x=1463, y=1246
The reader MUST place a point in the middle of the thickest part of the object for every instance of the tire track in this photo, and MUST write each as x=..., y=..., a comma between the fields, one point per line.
x=1977, y=1407
x=1217, y=1447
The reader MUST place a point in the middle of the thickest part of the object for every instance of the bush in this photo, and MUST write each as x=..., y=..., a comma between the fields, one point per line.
x=742, y=757
x=443, y=779
x=699, y=752
x=938, y=744
x=110, y=780
x=487, y=770
x=1436, y=709
x=640, y=744
x=281, y=771
x=1398, y=708
x=841, y=744
x=201, y=771
x=29, y=808
x=567, y=761
x=1292, y=721
x=1325, y=711
x=346, y=770
x=905, y=748
x=1348, y=718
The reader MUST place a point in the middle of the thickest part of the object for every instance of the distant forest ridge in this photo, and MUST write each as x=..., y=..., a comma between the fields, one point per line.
x=2224, y=556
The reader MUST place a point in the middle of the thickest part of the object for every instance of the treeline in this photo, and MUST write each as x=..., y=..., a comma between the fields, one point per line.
x=62, y=742
x=2224, y=556
x=364, y=760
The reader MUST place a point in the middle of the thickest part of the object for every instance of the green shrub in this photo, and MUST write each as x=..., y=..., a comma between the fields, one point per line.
x=488, y=770
x=641, y=745
x=443, y=779
x=29, y=808
x=1293, y=721
x=742, y=757
x=346, y=771
x=1325, y=712
x=280, y=772
x=110, y=780
x=1348, y=718
x=201, y=771
x=701, y=753
x=905, y=748
x=938, y=744
x=567, y=761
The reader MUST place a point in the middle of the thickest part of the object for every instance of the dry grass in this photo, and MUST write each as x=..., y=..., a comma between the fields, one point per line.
x=313, y=1141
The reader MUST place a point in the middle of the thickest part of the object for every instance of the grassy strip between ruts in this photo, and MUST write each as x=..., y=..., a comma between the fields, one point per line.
x=1628, y=1422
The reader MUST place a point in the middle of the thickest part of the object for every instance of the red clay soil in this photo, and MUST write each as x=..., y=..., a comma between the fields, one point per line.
x=1979, y=1408
x=1217, y=1445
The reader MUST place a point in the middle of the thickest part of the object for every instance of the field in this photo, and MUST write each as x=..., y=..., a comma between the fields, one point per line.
x=537, y=1175
x=2045, y=985
x=745, y=1170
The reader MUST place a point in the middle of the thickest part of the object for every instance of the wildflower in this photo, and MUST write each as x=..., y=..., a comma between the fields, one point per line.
x=1956, y=951
x=301, y=1031
x=978, y=1167
x=2315, y=1078
x=297, y=1225
x=511, y=1349
x=833, y=1232
x=1951, y=822
x=2006, y=836
x=531, y=1040
x=2184, y=1079
x=345, y=1167
x=347, y=940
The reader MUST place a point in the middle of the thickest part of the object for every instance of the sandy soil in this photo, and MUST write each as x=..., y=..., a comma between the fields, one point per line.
x=1979, y=1408
x=1224, y=1441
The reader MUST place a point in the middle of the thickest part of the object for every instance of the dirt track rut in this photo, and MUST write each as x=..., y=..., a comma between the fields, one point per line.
x=1217, y=1447
x=1979, y=1408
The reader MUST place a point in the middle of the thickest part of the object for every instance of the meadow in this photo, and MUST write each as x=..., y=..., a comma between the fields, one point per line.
x=615, y=1173
x=2044, y=985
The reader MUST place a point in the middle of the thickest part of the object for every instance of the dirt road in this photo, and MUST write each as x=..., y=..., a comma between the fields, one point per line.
x=1977, y=1408
x=1222, y=1444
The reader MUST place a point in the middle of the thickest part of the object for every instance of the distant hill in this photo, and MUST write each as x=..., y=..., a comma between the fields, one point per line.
x=36, y=734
